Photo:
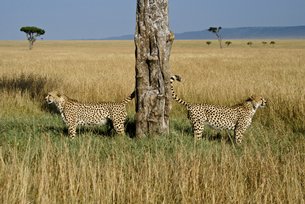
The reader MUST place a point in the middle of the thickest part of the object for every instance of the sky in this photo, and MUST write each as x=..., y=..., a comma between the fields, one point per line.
x=96, y=19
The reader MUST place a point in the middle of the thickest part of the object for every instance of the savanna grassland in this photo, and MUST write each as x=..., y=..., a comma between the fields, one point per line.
x=39, y=164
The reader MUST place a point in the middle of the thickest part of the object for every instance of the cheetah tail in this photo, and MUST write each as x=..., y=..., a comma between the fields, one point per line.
x=175, y=97
x=129, y=98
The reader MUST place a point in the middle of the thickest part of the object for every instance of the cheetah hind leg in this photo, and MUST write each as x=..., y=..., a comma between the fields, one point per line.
x=119, y=127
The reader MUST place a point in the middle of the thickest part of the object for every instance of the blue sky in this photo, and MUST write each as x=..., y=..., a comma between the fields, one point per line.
x=92, y=19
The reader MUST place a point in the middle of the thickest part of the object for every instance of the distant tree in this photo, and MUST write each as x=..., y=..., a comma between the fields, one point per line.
x=228, y=43
x=264, y=43
x=208, y=42
x=250, y=43
x=32, y=33
x=272, y=43
x=216, y=31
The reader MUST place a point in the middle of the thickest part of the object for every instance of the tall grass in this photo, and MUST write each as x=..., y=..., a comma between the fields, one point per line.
x=39, y=164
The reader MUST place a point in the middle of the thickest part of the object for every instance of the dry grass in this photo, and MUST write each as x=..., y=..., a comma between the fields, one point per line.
x=39, y=165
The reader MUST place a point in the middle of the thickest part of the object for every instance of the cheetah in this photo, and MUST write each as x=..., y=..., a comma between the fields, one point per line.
x=75, y=113
x=237, y=118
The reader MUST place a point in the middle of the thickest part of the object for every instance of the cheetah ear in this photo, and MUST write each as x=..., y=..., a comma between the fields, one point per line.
x=58, y=94
x=251, y=98
x=178, y=77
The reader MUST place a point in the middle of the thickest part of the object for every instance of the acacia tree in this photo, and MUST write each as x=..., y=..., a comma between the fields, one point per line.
x=216, y=31
x=32, y=33
x=228, y=43
x=153, y=42
x=250, y=43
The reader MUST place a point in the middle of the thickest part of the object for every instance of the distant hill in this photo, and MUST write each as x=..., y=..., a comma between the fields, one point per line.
x=293, y=32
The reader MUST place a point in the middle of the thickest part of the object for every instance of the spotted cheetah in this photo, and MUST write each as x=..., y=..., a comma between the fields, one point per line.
x=237, y=118
x=75, y=113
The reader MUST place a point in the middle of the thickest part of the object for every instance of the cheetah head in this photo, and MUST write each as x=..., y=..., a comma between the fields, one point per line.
x=257, y=101
x=54, y=97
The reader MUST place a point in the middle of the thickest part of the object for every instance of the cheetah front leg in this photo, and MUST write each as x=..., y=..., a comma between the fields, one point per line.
x=72, y=129
x=238, y=133
x=71, y=122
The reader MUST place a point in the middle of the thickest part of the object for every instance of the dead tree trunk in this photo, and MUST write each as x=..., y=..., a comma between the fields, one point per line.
x=153, y=41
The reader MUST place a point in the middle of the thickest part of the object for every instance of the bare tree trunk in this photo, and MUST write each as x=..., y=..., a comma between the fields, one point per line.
x=153, y=41
x=31, y=44
x=219, y=39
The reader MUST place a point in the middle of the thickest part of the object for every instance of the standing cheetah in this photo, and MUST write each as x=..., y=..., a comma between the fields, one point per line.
x=75, y=113
x=237, y=118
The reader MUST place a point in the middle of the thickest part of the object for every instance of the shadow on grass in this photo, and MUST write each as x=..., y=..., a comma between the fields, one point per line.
x=130, y=127
x=222, y=136
x=34, y=85
x=209, y=133
x=106, y=130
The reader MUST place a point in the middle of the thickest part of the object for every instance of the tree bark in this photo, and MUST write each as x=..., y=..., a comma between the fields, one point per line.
x=153, y=42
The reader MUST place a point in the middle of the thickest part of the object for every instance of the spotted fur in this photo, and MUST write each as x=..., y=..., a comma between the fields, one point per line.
x=75, y=113
x=237, y=118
